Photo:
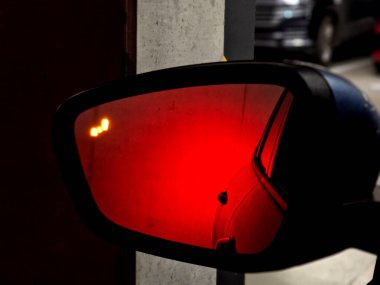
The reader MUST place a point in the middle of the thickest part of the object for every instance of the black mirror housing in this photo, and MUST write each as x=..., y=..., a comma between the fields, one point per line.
x=308, y=172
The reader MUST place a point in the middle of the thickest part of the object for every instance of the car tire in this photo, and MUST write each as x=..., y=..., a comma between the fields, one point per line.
x=325, y=41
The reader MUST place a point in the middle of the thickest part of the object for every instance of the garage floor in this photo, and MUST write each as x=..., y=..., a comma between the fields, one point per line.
x=351, y=267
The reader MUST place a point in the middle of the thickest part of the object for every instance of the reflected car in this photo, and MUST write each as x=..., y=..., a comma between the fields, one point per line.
x=239, y=226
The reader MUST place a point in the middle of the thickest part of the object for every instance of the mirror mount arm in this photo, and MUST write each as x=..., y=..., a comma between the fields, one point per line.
x=376, y=274
x=360, y=225
x=229, y=278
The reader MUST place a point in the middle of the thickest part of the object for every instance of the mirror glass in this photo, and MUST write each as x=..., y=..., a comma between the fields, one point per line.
x=189, y=165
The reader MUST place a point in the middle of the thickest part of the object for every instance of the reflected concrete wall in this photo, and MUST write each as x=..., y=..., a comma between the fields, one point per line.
x=175, y=33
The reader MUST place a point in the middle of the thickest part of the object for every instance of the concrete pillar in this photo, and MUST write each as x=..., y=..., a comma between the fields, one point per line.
x=178, y=32
x=174, y=33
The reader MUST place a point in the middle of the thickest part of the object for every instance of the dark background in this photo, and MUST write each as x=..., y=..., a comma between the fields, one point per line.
x=50, y=50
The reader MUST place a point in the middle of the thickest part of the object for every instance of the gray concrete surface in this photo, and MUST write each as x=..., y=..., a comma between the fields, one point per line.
x=178, y=32
x=153, y=270
x=351, y=267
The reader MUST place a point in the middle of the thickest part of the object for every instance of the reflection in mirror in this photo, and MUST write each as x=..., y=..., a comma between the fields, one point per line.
x=178, y=164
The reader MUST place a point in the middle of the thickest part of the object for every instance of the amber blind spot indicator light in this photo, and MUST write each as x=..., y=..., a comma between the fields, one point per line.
x=105, y=123
x=93, y=132
x=103, y=127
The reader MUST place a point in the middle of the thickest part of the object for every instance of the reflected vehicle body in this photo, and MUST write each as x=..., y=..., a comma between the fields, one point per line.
x=237, y=222
x=312, y=26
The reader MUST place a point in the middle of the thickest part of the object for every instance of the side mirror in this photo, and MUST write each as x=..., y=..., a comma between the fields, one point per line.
x=211, y=164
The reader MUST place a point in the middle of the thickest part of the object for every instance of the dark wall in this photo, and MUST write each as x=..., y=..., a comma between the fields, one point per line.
x=239, y=29
x=49, y=50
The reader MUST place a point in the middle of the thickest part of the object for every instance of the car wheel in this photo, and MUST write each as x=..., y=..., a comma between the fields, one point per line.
x=325, y=40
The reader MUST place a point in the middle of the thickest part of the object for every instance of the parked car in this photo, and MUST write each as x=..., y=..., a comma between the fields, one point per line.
x=314, y=27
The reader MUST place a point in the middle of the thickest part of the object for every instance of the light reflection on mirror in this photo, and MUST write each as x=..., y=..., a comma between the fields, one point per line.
x=177, y=164
x=103, y=127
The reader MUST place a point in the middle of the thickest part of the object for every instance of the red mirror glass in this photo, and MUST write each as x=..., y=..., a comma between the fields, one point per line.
x=179, y=164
